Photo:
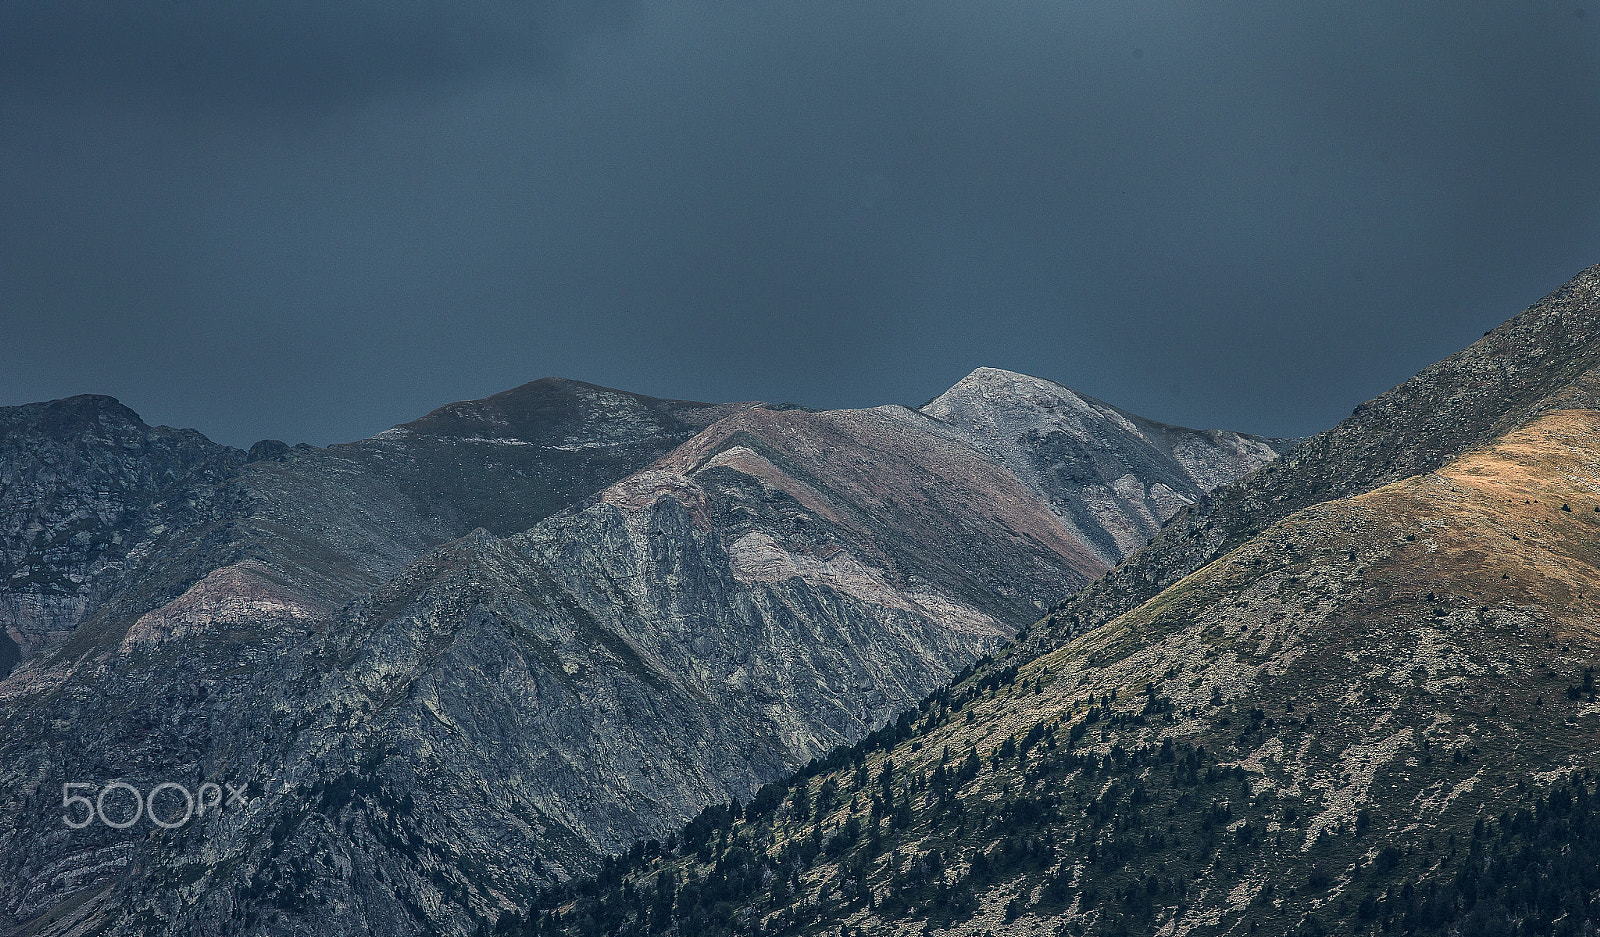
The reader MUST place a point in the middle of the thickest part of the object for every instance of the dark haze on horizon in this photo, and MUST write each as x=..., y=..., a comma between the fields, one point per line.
x=311, y=220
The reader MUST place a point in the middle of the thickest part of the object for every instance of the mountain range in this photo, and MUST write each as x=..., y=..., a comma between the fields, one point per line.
x=569, y=660
x=469, y=657
x=1352, y=692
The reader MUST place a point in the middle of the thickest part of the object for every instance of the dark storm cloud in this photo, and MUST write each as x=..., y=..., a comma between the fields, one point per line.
x=314, y=220
x=277, y=53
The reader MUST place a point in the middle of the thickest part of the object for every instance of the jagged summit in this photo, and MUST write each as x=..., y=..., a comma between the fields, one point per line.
x=70, y=417
x=86, y=489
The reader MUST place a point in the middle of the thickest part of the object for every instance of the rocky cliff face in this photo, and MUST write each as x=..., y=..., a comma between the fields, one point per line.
x=91, y=499
x=475, y=653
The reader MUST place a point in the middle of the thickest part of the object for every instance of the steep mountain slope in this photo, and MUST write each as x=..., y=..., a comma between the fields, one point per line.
x=1112, y=477
x=1361, y=690
x=504, y=710
x=894, y=488
x=1303, y=737
x=1545, y=358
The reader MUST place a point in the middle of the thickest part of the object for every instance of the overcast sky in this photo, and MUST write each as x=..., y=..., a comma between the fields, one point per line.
x=311, y=219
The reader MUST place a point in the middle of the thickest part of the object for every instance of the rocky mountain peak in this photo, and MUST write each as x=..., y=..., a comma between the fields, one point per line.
x=562, y=413
x=70, y=417
x=86, y=488
x=992, y=388
x=1112, y=477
